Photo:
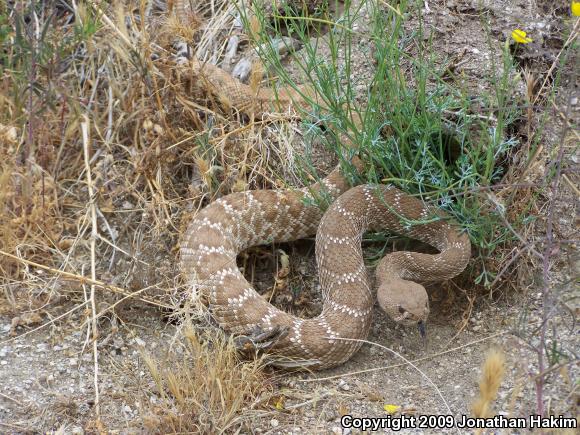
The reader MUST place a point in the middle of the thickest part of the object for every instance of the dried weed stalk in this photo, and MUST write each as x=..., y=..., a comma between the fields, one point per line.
x=492, y=374
x=206, y=389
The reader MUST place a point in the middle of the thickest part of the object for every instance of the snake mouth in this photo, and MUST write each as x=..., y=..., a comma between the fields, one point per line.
x=421, y=326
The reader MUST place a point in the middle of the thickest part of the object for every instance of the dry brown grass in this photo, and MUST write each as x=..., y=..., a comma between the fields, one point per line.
x=159, y=145
x=206, y=389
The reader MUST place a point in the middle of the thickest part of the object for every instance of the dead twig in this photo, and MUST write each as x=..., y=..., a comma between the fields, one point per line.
x=93, y=241
x=86, y=280
x=407, y=362
x=549, y=250
x=44, y=325
x=392, y=366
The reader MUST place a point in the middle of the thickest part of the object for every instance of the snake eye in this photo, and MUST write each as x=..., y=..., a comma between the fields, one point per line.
x=402, y=310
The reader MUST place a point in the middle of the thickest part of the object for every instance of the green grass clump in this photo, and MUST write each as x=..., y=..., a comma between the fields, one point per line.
x=417, y=127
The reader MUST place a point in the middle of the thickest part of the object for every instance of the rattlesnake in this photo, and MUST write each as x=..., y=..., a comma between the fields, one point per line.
x=240, y=220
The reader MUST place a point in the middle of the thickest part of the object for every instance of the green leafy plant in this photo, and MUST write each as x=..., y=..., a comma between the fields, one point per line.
x=417, y=129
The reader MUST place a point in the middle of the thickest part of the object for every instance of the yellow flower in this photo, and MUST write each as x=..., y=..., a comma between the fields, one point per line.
x=521, y=36
x=391, y=409
x=279, y=403
x=575, y=8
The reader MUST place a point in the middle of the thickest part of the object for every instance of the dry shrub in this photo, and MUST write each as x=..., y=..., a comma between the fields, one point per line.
x=30, y=222
x=161, y=144
x=206, y=389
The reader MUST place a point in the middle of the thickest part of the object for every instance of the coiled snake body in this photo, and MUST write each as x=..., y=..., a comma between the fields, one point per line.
x=240, y=220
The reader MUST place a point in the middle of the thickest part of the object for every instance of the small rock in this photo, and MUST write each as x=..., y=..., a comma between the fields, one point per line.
x=573, y=101
x=274, y=422
x=329, y=415
x=343, y=385
x=118, y=342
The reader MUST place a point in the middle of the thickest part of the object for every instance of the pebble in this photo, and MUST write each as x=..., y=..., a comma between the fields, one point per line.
x=274, y=422
x=343, y=385
x=118, y=342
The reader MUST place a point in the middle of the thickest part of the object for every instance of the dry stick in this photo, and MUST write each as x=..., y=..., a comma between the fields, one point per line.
x=546, y=264
x=510, y=262
x=466, y=320
x=117, y=248
x=575, y=133
x=522, y=239
x=94, y=236
x=557, y=367
x=85, y=280
x=374, y=369
x=13, y=426
x=123, y=299
x=109, y=23
x=406, y=362
x=571, y=38
x=571, y=185
x=573, y=35
x=76, y=307
x=12, y=399
x=313, y=400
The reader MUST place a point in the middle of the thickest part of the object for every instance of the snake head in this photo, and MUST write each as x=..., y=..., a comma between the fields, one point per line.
x=406, y=302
